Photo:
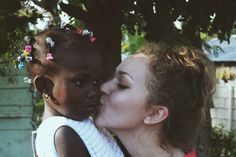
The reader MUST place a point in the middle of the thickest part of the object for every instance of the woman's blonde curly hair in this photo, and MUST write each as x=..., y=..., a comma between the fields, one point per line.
x=181, y=78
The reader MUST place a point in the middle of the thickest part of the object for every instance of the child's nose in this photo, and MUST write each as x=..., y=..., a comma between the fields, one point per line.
x=92, y=94
x=93, y=91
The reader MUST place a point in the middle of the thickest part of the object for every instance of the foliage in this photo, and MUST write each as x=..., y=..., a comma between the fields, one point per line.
x=131, y=43
x=154, y=17
x=15, y=16
x=222, y=142
x=38, y=110
x=225, y=73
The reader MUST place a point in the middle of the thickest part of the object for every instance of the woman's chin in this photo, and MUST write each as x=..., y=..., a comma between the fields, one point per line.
x=98, y=121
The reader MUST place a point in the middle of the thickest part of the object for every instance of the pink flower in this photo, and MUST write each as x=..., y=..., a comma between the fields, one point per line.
x=28, y=48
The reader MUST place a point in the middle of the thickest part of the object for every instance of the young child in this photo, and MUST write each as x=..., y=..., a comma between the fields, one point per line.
x=64, y=66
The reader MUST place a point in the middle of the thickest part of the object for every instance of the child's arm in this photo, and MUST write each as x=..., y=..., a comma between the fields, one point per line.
x=69, y=144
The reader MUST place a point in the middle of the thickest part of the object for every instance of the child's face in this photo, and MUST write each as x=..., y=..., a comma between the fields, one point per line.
x=75, y=88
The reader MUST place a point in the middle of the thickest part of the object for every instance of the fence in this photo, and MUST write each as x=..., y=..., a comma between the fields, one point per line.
x=16, y=111
x=224, y=111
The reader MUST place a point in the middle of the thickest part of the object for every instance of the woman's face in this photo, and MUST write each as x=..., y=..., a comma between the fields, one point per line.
x=124, y=96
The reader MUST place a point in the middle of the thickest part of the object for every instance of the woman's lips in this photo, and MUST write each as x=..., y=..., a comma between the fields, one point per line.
x=101, y=101
x=99, y=107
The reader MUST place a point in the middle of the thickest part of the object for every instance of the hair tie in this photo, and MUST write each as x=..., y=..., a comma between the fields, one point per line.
x=26, y=55
x=81, y=31
x=27, y=39
x=51, y=44
x=49, y=56
x=27, y=80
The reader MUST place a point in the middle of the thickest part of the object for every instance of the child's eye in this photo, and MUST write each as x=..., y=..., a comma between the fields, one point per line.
x=81, y=82
x=98, y=82
x=78, y=83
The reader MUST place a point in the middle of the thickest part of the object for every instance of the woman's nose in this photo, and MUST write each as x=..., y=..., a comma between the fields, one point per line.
x=107, y=87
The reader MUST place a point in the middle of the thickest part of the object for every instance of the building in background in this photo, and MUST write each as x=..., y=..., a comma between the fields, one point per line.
x=224, y=56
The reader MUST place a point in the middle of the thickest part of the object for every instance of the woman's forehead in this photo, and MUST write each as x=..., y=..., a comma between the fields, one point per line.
x=134, y=60
x=134, y=65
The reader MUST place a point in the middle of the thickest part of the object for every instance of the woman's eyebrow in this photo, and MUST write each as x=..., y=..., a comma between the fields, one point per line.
x=124, y=73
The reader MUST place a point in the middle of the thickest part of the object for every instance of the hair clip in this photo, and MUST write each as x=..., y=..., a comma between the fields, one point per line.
x=25, y=56
x=49, y=56
x=27, y=39
x=19, y=58
x=20, y=65
x=63, y=24
x=28, y=48
x=86, y=32
x=50, y=42
x=80, y=31
x=92, y=38
x=28, y=58
x=27, y=80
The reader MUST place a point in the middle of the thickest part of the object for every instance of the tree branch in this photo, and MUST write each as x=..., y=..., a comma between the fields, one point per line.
x=75, y=12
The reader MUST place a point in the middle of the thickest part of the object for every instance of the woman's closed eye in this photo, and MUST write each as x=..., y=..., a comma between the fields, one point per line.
x=121, y=86
x=123, y=82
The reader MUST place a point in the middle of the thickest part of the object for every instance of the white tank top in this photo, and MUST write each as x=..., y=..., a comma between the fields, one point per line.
x=99, y=143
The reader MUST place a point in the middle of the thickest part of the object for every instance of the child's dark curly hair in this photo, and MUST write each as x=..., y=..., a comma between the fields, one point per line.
x=66, y=41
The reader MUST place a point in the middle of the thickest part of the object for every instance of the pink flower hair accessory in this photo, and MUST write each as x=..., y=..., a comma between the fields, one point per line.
x=49, y=56
x=81, y=31
x=25, y=55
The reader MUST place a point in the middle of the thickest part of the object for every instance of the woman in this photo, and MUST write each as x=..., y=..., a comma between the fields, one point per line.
x=156, y=100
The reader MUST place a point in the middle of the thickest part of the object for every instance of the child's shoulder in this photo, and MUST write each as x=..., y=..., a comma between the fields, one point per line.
x=97, y=141
x=50, y=126
x=69, y=143
x=59, y=128
x=53, y=123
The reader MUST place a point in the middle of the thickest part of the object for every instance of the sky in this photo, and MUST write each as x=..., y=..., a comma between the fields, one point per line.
x=42, y=23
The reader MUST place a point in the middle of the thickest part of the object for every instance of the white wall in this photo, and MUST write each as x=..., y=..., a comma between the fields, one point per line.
x=225, y=105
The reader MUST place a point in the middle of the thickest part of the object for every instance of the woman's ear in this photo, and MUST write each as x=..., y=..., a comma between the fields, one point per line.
x=156, y=114
x=43, y=85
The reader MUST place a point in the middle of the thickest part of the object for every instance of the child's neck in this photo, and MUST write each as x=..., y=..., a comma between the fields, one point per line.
x=48, y=112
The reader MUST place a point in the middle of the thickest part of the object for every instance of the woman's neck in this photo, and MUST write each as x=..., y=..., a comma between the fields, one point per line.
x=145, y=143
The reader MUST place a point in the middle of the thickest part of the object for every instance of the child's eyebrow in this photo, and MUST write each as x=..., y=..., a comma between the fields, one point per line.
x=83, y=74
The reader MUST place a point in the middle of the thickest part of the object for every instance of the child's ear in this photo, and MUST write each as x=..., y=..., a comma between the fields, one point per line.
x=156, y=114
x=43, y=85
